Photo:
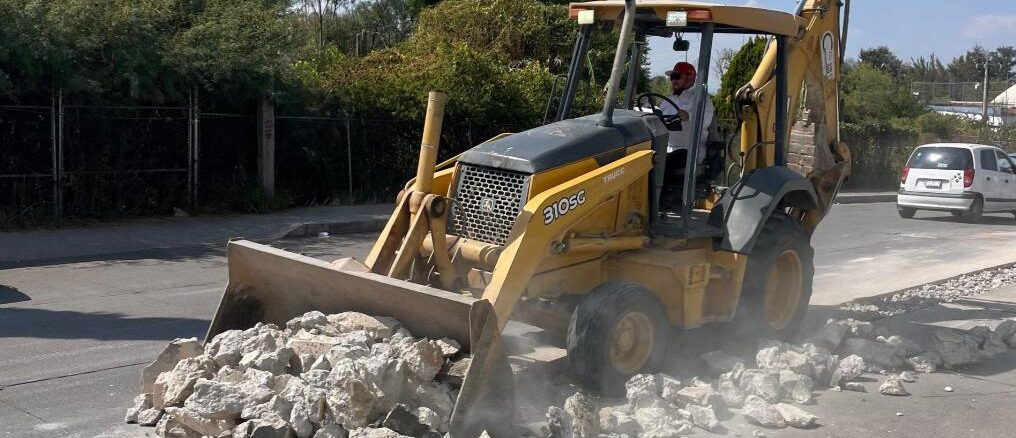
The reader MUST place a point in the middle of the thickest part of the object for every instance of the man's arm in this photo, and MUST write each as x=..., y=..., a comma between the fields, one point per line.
x=707, y=115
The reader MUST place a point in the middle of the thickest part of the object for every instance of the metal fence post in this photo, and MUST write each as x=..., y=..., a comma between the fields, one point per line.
x=52, y=137
x=196, y=164
x=349, y=154
x=59, y=153
x=190, y=148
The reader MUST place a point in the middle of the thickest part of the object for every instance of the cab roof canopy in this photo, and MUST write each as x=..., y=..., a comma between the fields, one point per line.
x=651, y=17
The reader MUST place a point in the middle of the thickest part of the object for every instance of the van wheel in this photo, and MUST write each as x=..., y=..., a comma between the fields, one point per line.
x=617, y=331
x=777, y=281
x=973, y=215
x=906, y=213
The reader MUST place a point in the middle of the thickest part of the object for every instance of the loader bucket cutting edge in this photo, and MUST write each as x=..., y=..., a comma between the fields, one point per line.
x=271, y=285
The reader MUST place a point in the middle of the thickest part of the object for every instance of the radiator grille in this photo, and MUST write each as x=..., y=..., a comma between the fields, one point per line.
x=489, y=201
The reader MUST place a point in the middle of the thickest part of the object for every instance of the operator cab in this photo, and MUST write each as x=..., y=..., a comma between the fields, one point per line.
x=681, y=204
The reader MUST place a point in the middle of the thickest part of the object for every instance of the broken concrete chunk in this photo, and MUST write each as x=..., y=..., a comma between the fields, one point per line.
x=431, y=419
x=449, y=347
x=193, y=421
x=893, y=385
x=991, y=343
x=731, y=393
x=780, y=357
x=582, y=412
x=370, y=432
x=141, y=403
x=908, y=376
x=276, y=362
x=177, y=350
x=692, y=395
x=313, y=345
x=955, y=347
x=378, y=327
x=873, y=352
x=904, y=347
x=169, y=427
x=832, y=333
x=618, y=420
x=424, y=359
x=849, y=368
x=272, y=427
x=226, y=348
x=760, y=412
x=796, y=387
x=643, y=390
x=926, y=362
x=1007, y=332
x=669, y=387
x=703, y=417
x=331, y=431
x=149, y=417
x=276, y=406
x=795, y=416
x=720, y=362
x=853, y=386
x=557, y=423
x=310, y=320
x=762, y=383
x=860, y=329
x=401, y=420
x=659, y=420
x=221, y=400
x=173, y=387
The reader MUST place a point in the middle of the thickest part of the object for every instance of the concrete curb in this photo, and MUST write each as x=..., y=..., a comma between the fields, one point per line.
x=864, y=198
x=372, y=225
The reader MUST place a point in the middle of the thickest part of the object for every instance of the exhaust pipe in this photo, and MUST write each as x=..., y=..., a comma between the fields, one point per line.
x=436, y=101
x=607, y=118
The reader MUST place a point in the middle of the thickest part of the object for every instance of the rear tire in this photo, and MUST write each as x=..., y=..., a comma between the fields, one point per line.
x=906, y=213
x=617, y=331
x=777, y=282
x=973, y=215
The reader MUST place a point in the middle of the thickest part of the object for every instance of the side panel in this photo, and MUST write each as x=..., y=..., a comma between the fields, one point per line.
x=678, y=277
x=745, y=207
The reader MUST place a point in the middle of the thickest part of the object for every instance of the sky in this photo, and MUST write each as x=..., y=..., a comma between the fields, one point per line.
x=910, y=28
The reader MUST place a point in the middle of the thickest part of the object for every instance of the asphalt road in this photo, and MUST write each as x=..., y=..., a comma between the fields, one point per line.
x=74, y=336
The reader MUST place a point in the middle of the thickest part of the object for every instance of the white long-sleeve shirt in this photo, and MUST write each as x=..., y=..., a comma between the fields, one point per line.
x=686, y=101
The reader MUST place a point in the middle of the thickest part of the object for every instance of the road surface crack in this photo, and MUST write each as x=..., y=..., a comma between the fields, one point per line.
x=23, y=411
x=82, y=373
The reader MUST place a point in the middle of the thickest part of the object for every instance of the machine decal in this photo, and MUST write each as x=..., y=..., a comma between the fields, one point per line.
x=828, y=56
x=613, y=175
x=560, y=208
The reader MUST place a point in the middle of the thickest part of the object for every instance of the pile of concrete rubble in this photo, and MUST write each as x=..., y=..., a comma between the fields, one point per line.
x=932, y=294
x=785, y=377
x=322, y=376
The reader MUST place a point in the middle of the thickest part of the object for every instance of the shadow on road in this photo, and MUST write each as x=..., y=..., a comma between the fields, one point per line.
x=167, y=254
x=9, y=294
x=62, y=324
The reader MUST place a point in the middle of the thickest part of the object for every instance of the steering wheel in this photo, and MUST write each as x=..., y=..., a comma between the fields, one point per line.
x=671, y=121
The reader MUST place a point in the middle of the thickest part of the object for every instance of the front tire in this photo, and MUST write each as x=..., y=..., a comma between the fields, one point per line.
x=906, y=213
x=777, y=282
x=617, y=331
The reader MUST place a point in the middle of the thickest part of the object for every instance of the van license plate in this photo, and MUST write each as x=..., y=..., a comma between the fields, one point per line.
x=933, y=184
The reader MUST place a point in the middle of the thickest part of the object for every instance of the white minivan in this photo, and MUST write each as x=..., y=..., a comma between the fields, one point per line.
x=964, y=179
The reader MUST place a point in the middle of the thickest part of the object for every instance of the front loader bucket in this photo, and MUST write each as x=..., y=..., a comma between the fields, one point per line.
x=271, y=285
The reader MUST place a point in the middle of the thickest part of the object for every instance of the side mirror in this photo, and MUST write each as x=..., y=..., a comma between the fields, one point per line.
x=681, y=45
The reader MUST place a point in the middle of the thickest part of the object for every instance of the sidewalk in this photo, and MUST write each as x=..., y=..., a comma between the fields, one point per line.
x=37, y=247
x=864, y=197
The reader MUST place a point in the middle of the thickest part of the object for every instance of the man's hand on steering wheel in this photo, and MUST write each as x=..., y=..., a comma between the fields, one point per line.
x=671, y=121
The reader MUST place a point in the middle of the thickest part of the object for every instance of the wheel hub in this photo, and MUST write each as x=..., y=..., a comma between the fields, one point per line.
x=631, y=343
x=783, y=290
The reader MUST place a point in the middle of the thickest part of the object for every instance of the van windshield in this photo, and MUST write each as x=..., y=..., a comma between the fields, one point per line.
x=945, y=158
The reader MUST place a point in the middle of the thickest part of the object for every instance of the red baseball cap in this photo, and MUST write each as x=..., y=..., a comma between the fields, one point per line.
x=683, y=68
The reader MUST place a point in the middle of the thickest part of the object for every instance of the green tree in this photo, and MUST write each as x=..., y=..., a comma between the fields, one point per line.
x=871, y=96
x=883, y=59
x=741, y=68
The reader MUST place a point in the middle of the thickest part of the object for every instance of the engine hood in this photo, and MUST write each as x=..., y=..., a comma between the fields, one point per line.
x=560, y=143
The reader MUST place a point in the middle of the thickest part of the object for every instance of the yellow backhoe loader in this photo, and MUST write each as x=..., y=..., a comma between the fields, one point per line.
x=561, y=226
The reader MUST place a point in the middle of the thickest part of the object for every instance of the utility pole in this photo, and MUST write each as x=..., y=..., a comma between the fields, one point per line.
x=984, y=102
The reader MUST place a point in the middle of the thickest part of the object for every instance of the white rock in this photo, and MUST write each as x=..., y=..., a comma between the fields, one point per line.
x=449, y=347
x=618, y=420
x=437, y=397
x=272, y=427
x=1007, y=332
x=173, y=387
x=177, y=350
x=892, y=386
x=141, y=402
x=731, y=393
x=925, y=362
x=703, y=417
x=779, y=358
x=854, y=386
x=331, y=431
x=658, y=420
x=378, y=327
x=873, y=352
x=276, y=406
x=350, y=400
x=904, y=347
x=796, y=387
x=760, y=412
x=795, y=416
x=833, y=332
x=643, y=390
x=860, y=329
x=194, y=421
x=226, y=348
x=370, y=432
x=299, y=420
x=170, y=427
x=762, y=383
x=424, y=358
x=849, y=368
x=948, y=389
x=991, y=343
x=310, y=320
x=149, y=417
x=431, y=419
x=582, y=412
x=221, y=400
x=720, y=362
x=908, y=376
